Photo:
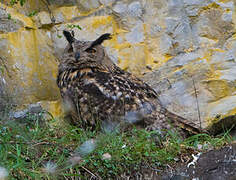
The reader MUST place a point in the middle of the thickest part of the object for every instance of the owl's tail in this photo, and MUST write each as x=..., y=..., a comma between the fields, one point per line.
x=184, y=123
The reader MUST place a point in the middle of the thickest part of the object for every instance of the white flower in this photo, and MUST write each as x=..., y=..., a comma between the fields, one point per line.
x=50, y=167
x=3, y=173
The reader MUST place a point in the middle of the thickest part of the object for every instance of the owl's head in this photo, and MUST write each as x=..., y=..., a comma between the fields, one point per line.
x=82, y=50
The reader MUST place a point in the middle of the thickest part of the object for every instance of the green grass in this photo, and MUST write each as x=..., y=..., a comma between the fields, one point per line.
x=28, y=149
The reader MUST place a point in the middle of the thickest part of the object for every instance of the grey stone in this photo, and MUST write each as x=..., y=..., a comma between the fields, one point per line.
x=176, y=89
x=120, y=8
x=3, y=13
x=7, y=24
x=183, y=36
x=59, y=41
x=223, y=106
x=171, y=24
x=211, y=25
x=184, y=59
x=155, y=30
x=107, y=2
x=113, y=54
x=227, y=16
x=166, y=44
x=192, y=7
x=4, y=99
x=227, y=5
x=136, y=35
x=19, y=114
x=224, y=60
x=175, y=8
x=59, y=18
x=196, y=2
x=178, y=93
x=44, y=18
x=229, y=74
x=89, y=4
x=33, y=109
x=178, y=27
x=63, y=2
x=3, y=47
x=192, y=11
x=135, y=9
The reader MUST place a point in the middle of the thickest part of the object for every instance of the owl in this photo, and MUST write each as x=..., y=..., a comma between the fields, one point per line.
x=95, y=90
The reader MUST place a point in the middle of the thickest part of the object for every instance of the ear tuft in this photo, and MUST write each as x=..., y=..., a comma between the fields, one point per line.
x=105, y=37
x=100, y=40
x=68, y=36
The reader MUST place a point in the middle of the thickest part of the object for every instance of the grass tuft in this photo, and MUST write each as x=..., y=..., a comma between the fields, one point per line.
x=51, y=151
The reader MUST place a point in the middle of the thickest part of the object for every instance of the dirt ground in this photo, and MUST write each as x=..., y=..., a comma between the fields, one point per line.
x=213, y=165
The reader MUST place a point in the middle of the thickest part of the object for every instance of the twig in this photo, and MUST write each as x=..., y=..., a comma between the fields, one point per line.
x=198, y=109
x=52, y=17
x=90, y=172
x=29, y=143
x=41, y=143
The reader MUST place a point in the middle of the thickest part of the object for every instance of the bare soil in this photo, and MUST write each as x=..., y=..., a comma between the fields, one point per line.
x=217, y=164
x=213, y=165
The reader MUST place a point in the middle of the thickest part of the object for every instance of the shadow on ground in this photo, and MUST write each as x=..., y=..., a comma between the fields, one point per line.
x=213, y=165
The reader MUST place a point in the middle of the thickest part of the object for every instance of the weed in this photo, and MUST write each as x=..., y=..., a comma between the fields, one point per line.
x=45, y=150
x=33, y=13
x=8, y=16
x=72, y=26
x=13, y=2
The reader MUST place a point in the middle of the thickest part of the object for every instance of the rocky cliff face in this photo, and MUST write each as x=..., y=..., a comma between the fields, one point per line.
x=185, y=49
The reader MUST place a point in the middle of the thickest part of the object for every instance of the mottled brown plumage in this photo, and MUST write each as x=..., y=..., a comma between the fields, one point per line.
x=94, y=90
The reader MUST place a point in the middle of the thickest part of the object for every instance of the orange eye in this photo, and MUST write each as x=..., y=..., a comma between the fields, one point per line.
x=90, y=50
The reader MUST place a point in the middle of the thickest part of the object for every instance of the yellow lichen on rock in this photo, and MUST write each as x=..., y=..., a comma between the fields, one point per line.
x=68, y=12
x=218, y=88
x=31, y=66
x=14, y=14
x=53, y=107
x=101, y=21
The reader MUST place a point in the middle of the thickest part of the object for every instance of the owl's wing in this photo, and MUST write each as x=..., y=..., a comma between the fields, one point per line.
x=105, y=94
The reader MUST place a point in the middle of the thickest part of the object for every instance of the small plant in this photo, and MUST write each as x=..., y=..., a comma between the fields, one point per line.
x=33, y=13
x=59, y=36
x=36, y=150
x=9, y=16
x=14, y=2
x=73, y=26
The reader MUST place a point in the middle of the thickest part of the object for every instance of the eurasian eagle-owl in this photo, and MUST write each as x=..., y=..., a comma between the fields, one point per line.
x=95, y=89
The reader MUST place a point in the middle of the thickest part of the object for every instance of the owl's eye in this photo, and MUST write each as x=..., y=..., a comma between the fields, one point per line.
x=90, y=50
x=77, y=55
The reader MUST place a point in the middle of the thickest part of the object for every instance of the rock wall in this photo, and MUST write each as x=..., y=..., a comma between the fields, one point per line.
x=185, y=49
